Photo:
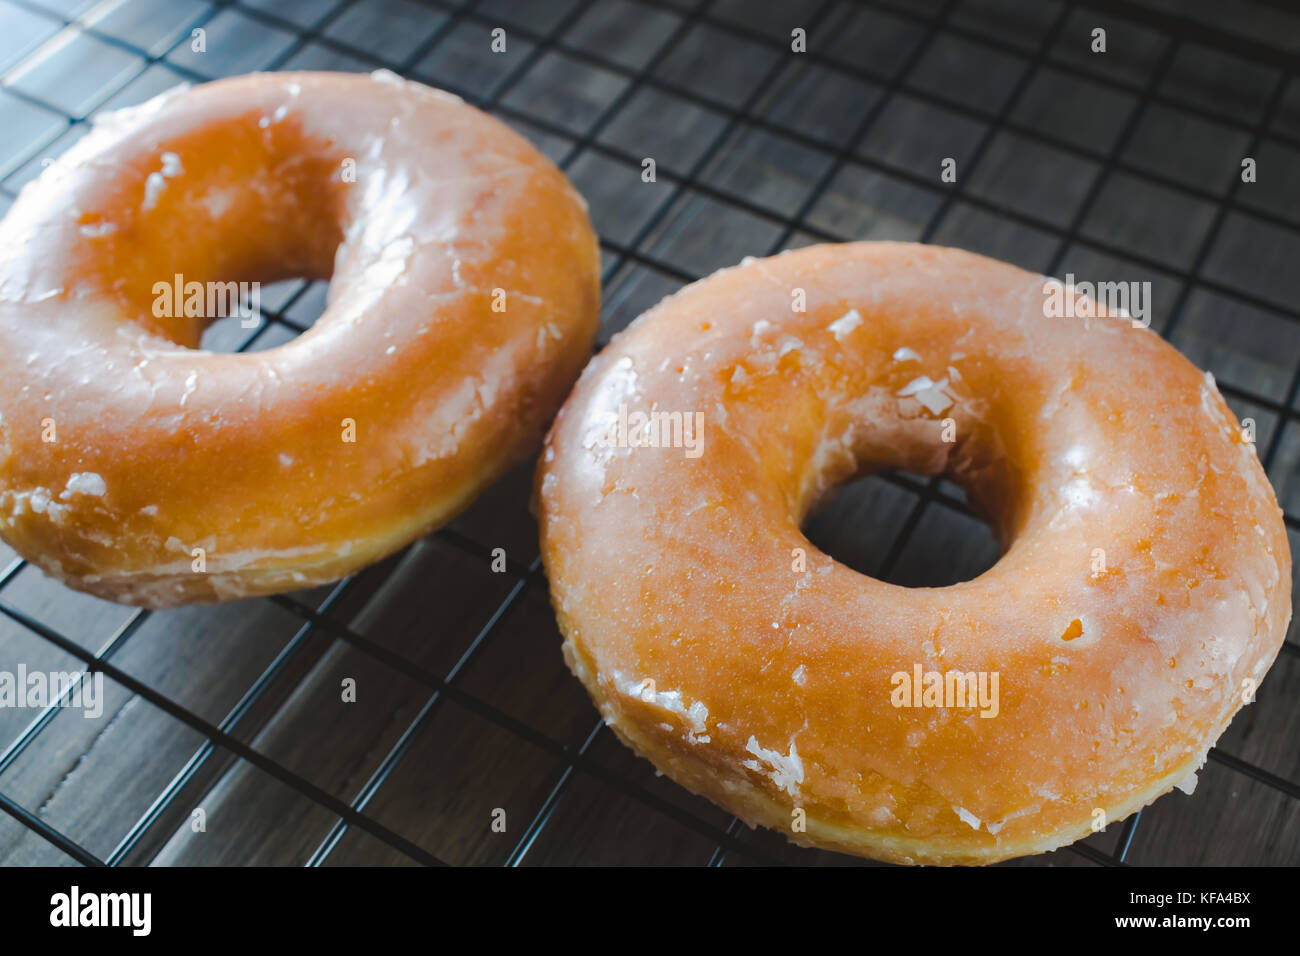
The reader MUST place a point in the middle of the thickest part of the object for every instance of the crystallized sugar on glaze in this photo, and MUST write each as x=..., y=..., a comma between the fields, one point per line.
x=1145, y=570
x=933, y=395
x=415, y=204
x=918, y=384
x=695, y=715
x=968, y=818
x=154, y=182
x=88, y=483
x=36, y=500
x=845, y=324
x=171, y=165
x=785, y=770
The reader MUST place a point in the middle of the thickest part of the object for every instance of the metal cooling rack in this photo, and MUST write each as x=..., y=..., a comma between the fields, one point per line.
x=758, y=150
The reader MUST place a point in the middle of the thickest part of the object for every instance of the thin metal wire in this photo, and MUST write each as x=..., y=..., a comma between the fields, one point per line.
x=913, y=519
x=228, y=725
x=427, y=711
x=1126, y=837
x=318, y=621
x=500, y=718
x=914, y=178
x=828, y=176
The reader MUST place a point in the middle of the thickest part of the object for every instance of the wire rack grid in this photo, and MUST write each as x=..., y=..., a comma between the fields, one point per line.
x=758, y=149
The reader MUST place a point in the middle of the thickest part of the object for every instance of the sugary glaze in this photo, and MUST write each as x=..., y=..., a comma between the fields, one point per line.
x=767, y=687
x=426, y=213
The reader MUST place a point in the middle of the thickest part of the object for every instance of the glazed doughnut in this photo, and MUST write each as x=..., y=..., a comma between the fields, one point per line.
x=463, y=302
x=1142, y=592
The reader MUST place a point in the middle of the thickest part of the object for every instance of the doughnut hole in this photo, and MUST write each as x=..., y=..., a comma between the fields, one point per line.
x=238, y=203
x=249, y=326
x=908, y=497
x=871, y=524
